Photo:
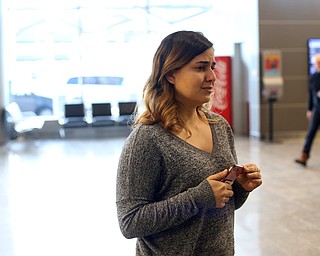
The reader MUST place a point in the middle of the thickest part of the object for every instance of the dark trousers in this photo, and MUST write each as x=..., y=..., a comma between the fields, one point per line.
x=314, y=124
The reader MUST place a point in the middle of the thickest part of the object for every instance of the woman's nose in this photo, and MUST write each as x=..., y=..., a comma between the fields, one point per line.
x=211, y=76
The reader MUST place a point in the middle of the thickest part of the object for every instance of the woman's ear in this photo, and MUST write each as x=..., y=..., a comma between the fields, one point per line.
x=170, y=77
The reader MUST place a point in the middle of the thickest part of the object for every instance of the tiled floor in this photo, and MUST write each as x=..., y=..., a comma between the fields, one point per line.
x=57, y=198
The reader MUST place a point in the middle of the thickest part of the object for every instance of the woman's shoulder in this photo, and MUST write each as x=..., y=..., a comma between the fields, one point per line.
x=147, y=128
x=216, y=118
x=315, y=77
x=145, y=136
x=146, y=131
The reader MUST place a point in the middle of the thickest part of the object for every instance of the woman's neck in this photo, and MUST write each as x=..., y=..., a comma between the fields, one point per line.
x=192, y=117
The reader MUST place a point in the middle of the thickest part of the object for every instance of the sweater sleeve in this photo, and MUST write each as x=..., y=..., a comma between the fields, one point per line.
x=139, y=176
x=240, y=195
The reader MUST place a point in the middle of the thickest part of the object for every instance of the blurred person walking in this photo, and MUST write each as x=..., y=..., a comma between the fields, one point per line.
x=313, y=112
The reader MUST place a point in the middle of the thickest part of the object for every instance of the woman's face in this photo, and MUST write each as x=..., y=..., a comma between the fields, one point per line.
x=193, y=83
x=317, y=62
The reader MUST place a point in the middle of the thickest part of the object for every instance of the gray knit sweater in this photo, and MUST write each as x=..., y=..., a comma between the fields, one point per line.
x=164, y=199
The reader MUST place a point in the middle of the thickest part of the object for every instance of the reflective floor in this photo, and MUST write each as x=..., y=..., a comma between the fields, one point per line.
x=57, y=198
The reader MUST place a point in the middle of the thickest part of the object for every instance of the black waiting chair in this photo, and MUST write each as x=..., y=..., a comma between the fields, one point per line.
x=102, y=115
x=126, y=112
x=74, y=115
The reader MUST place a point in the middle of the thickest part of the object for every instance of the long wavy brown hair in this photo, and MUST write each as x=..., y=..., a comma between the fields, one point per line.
x=174, y=52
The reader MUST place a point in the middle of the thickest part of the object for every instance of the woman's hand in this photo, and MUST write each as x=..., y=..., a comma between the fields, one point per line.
x=250, y=178
x=222, y=191
x=309, y=115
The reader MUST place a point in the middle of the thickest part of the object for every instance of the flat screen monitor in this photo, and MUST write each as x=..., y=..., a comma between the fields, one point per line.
x=313, y=49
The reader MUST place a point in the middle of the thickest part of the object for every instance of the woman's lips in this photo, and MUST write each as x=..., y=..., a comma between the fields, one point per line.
x=209, y=89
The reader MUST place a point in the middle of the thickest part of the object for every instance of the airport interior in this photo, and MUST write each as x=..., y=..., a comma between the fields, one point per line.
x=71, y=75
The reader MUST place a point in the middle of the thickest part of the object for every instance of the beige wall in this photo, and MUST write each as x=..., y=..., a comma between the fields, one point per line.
x=286, y=25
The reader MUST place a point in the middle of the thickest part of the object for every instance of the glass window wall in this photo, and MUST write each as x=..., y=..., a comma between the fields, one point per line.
x=88, y=51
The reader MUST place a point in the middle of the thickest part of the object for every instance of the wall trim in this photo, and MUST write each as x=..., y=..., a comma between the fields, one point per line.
x=289, y=22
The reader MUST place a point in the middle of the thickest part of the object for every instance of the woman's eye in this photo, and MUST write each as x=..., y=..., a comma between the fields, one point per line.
x=202, y=68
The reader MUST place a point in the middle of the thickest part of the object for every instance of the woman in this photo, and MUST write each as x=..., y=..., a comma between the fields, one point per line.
x=169, y=189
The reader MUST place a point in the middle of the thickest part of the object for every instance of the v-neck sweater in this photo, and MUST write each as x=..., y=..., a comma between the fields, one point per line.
x=163, y=198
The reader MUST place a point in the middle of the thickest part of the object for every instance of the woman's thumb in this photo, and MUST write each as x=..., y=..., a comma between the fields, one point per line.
x=219, y=175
